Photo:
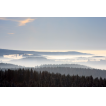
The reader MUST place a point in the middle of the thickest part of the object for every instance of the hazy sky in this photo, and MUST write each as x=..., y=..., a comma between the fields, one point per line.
x=34, y=33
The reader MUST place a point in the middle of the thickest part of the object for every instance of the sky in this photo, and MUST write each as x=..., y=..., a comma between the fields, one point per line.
x=53, y=33
x=82, y=34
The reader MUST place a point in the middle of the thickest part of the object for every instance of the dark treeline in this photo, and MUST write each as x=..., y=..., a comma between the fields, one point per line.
x=30, y=78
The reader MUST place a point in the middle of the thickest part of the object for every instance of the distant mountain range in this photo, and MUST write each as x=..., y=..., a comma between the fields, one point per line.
x=8, y=52
x=33, y=58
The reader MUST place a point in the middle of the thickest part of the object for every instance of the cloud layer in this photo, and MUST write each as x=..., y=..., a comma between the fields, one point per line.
x=20, y=22
x=23, y=22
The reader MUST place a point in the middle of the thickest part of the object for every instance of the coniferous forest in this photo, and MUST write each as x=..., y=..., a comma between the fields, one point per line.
x=30, y=78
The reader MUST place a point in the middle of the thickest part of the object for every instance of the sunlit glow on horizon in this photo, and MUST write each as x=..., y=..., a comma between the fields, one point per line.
x=13, y=56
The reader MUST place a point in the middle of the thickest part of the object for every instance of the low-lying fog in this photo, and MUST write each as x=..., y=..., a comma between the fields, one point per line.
x=36, y=58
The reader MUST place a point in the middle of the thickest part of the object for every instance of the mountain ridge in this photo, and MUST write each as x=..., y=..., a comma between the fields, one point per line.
x=9, y=51
x=9, y=65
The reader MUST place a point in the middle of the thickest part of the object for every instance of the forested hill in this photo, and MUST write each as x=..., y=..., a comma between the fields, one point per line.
x=74, y=71
x=7, y=65
x=26, y=78
x=71, y=69
x=65, y=65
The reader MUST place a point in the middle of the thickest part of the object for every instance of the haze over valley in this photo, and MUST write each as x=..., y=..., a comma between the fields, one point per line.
x=37, y=58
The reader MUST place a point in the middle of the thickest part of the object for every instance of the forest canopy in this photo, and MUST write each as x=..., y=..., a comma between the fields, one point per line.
x=30, y=78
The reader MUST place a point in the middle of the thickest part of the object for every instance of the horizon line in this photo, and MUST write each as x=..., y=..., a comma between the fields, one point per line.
x=55, y=50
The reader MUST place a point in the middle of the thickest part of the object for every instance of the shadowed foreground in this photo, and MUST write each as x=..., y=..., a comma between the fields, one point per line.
x=26, y=78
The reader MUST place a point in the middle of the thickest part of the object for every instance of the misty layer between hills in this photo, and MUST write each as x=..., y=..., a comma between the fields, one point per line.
x=36, y=58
